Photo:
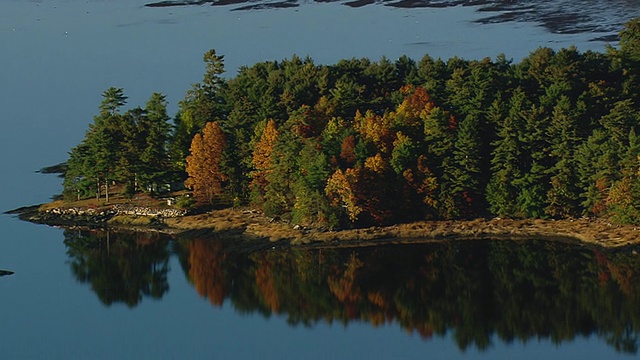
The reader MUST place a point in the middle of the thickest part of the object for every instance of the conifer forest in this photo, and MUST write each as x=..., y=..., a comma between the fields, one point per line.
x=364, y=143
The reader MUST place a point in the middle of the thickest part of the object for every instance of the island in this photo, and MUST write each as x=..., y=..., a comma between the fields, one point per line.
x=373, y=151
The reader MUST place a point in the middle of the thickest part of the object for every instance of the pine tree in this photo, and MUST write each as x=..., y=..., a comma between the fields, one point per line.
x=104, y=138
x=597, y=161
x=155, y=157
x=279, y=198
x=562, y=197
x=404, y=153
x=623, y=200
x=467, y=178
x=129, y=164
x=533, y=184
x=506, y=162
x=204, y=102
x=439, y=136
x=311, y=206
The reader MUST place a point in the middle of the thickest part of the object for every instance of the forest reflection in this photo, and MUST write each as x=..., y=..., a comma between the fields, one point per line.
x=479, y=291
x=121, y=268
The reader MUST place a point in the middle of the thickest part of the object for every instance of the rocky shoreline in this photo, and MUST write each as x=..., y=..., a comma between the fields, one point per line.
x=252, y=224
x=93, y=217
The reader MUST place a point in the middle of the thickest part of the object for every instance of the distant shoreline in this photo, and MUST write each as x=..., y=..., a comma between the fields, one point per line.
x=545, y=14
x=253, y=225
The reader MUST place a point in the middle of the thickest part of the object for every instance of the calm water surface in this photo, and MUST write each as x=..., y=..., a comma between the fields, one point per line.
x=73, y=297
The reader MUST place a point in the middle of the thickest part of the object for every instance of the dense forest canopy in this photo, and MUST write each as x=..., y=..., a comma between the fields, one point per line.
x=364, y=142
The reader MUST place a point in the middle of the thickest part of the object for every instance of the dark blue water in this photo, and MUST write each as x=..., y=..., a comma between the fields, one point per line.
x=57, y=56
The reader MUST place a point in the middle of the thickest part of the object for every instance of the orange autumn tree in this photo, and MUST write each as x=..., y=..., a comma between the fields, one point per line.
x=203, y=165
x=262, y=161
x=415, y=105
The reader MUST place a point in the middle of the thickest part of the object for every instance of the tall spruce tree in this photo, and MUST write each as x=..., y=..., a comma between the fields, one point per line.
x=104, y=138
x=506, y=162
x=467, y=180
x=562, y=197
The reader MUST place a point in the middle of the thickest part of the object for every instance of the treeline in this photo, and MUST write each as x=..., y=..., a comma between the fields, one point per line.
x=360, y=142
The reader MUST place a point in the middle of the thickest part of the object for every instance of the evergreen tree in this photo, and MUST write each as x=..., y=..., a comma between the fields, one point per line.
x=154, y=156
x=506, y=162
x=533, y=184
x=80, y=179
x=311, y=206
x=439, y=136
x=623, y=200
x=129, y=165
x=104, y=138
x=467, y=178
x=279, y=198
x=203, y=103
x=562, y=197
x=597, y=161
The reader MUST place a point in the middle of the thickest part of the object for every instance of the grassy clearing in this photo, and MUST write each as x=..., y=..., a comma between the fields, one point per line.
x=129, y=220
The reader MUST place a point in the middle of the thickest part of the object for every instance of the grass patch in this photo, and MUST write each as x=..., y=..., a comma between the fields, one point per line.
x=131, y=220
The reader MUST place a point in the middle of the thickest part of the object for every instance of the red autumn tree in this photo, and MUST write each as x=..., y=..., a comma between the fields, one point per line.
x=347, y=153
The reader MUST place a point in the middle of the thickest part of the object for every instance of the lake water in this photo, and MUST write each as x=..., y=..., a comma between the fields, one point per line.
x=147, y=297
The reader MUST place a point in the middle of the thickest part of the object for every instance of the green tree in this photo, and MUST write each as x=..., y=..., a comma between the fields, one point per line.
x=203, y=103
x=311, y=206
x=533, y=184
x=104, y=139
x=506, y=162
x=279, y=197
x=562, y=197
x=467, y=178
x=154, y=156
x=439, y=135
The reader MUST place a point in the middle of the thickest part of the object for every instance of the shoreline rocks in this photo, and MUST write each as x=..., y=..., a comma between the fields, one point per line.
x=77, y=216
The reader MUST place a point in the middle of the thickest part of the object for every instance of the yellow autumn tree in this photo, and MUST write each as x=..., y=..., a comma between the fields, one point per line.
x=375, y=129
x=203, y=164
x=340, y=192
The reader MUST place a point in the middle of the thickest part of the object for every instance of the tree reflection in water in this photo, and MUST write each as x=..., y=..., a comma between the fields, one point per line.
x=120, y=267
x=478, y=290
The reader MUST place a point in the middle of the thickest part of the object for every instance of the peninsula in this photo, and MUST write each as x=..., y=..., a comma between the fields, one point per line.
x=548, y=147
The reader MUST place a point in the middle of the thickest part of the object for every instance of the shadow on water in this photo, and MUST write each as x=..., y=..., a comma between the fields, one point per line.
x=479, y=291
